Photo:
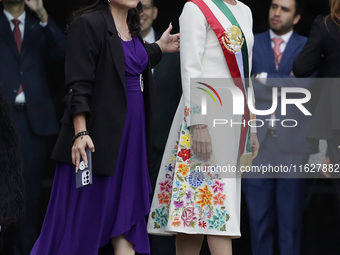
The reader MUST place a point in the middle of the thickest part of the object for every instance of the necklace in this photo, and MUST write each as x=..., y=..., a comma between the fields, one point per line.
x=120, y=34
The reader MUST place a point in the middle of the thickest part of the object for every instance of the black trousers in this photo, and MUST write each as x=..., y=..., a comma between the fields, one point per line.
x=334, y=156
x=33, y=151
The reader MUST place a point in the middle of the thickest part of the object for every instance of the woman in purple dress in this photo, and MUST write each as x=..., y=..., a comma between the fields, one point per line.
x=108, y=105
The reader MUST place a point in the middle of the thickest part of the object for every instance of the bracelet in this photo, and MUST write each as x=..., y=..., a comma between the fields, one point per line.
x=80, y=134
x=201, y=127
x=42, y=15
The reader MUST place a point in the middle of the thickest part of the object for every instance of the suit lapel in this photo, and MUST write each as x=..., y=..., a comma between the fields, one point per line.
x=29, y=36
x=286, y=56
x=7, y=34
x=116, y=47
x=267, y=47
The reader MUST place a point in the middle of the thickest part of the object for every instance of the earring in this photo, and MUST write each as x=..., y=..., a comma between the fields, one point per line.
x=109, y=1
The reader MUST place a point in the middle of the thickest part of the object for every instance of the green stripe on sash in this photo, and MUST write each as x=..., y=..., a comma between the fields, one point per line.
x=226, y=11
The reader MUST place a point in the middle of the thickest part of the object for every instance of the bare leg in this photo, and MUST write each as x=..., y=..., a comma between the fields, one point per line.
x=188, y=244
x=122, y=246
x=220, y=245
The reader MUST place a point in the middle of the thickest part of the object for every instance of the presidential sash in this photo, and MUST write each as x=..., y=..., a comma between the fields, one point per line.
x=233, y=43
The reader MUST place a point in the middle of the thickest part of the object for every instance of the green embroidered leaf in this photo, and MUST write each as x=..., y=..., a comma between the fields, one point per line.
x=157, y=226
x=223, y=208
x=183, y=133
x=193, y=224
x=153, y=215
x=223, y=228
x=192, y=167
x=180, y=178
x=182, y=146
x=227, y=217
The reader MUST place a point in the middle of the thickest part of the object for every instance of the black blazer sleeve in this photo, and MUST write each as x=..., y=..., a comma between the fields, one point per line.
x=310, y=58
x=83, y=49
x=154, y=52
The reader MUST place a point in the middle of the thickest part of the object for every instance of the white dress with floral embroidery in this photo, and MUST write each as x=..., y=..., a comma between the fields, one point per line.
x=186, y=200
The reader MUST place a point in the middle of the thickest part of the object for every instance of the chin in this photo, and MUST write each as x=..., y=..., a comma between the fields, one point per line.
x=132, y=3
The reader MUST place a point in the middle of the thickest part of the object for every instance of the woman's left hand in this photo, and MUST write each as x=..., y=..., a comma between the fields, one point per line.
x=169, y=43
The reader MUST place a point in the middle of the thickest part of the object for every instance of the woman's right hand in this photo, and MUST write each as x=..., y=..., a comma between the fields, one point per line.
x=78, y=150
x=201, y=142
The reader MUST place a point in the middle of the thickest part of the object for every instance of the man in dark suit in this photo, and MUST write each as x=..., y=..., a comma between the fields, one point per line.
x=168, y=92
x=25, y=45
x=277, y=200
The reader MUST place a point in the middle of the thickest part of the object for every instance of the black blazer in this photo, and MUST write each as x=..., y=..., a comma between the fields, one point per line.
x=28, y=69
x=322, y=53
x=95, y=78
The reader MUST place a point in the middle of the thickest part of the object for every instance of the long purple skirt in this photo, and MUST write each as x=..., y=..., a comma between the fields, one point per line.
x=79, y=222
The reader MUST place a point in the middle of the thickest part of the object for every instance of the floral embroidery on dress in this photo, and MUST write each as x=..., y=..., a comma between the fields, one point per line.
x=197, y=109
x=187, y=197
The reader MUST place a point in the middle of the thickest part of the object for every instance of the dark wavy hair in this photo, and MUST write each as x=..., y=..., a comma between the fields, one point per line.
x=133, y=19
x=11, y=181
x=335, y=12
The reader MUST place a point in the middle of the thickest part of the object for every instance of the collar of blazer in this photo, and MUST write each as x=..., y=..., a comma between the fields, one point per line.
x=116, y=47
x=7, y=34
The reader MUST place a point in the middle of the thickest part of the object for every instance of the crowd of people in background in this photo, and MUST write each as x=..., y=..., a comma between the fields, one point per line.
x=114, y=42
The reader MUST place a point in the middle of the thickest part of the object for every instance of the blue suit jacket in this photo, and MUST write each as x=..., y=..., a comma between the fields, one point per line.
x=28, y=69
x=293, y=139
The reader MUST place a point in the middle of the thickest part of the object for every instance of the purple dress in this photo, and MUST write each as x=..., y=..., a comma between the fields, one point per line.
x=81, y=221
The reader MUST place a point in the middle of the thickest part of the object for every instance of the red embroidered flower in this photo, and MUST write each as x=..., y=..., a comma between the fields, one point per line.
x=163, y=198
x=176, y=223
x=219, y=199
x=218, y=186
x=202, y=224
x=165, y=186
x=187, y=111
x=184, y=154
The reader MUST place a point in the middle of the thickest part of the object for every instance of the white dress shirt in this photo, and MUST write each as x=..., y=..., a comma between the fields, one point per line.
x=150, y=38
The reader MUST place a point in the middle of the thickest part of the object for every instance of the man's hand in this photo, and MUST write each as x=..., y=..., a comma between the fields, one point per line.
x=168, y=43
x=255, y=145
x=38, y=7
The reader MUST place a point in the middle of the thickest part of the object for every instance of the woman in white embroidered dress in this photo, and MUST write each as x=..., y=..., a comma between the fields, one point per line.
x=188, y=202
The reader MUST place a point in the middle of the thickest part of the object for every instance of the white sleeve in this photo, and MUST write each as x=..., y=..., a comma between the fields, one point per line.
x=193, y=30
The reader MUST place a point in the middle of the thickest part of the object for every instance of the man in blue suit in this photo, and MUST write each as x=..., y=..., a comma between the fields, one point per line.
x=276, y=201
x=25, y=45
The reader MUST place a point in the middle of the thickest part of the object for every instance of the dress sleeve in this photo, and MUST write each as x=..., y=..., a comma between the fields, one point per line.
x=309, y=59
x=193, y=30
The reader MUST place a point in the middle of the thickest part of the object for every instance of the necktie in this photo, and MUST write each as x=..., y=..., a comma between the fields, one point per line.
x=18, y=41
x=17, y=34
x=277, y=51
